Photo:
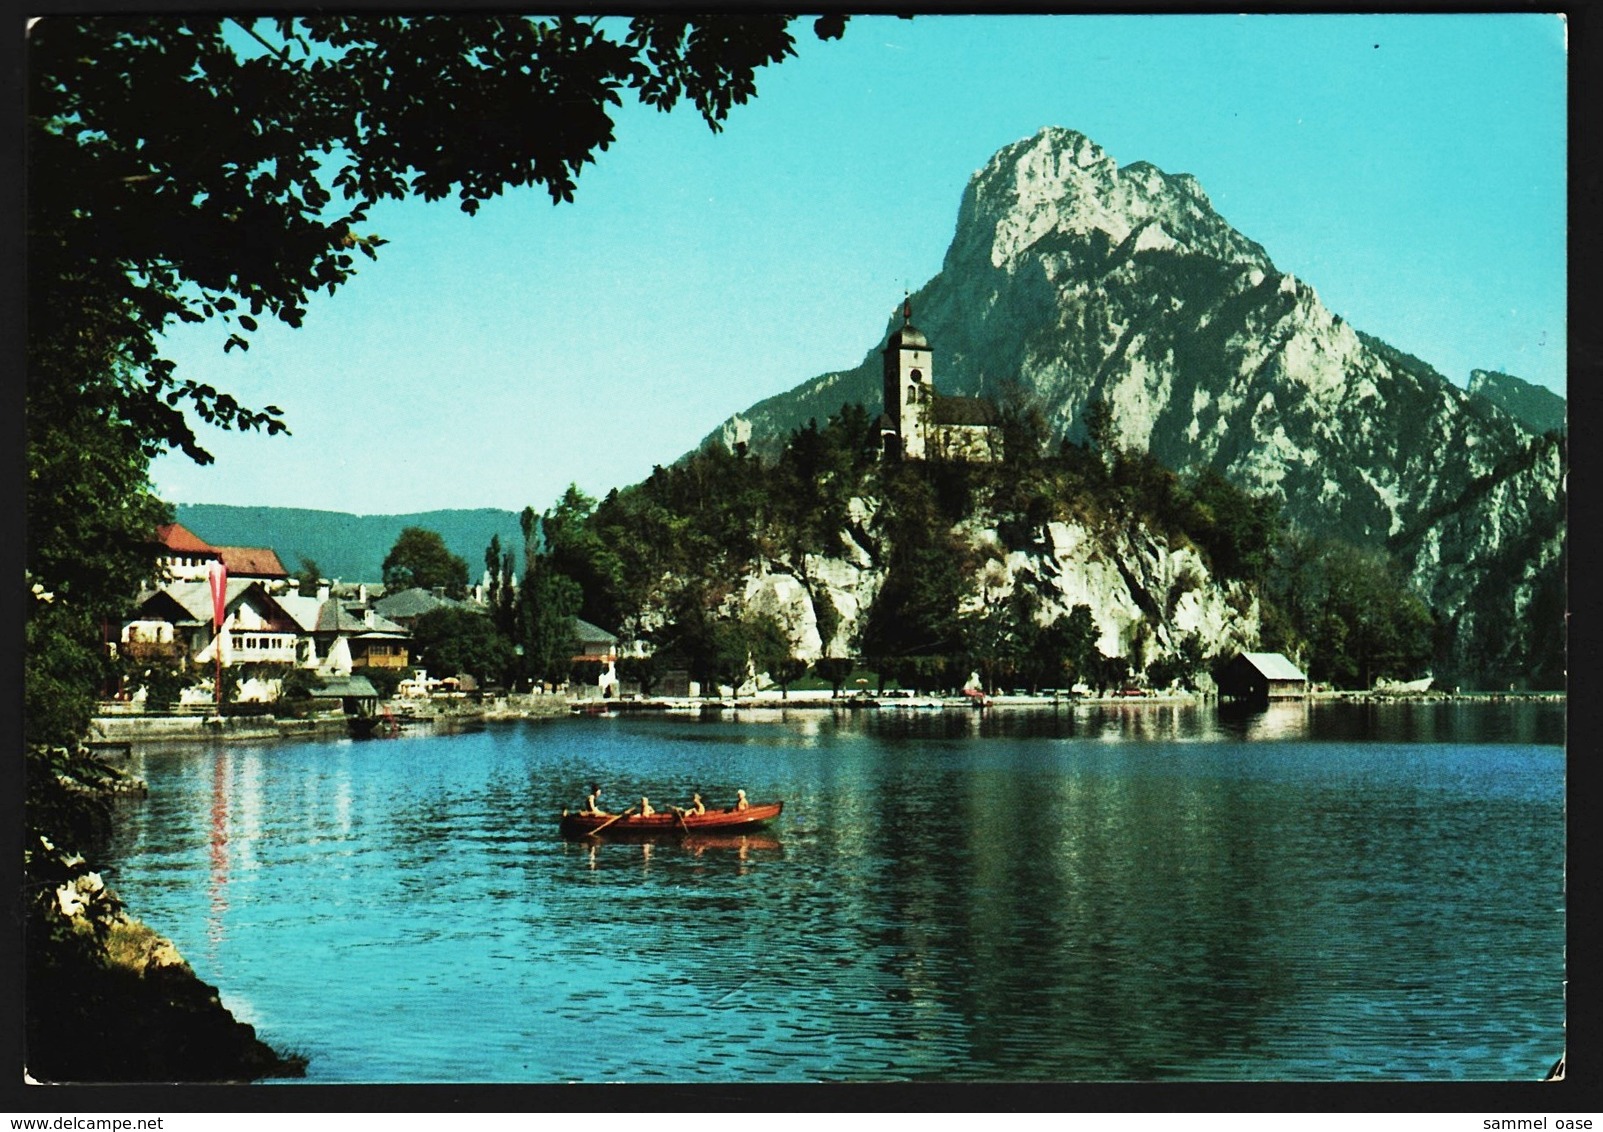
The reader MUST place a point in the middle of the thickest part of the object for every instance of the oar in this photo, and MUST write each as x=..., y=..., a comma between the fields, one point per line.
x=609, y=821
x=680, y=814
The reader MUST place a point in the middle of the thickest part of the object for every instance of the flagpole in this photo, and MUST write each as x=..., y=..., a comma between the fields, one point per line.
x=217, y=576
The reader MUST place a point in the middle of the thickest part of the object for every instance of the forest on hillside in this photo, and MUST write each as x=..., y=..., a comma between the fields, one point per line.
x=664, y=562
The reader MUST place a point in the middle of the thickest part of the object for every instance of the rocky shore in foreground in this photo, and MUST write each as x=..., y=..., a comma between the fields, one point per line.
x=130, y=1009
x=107, y=999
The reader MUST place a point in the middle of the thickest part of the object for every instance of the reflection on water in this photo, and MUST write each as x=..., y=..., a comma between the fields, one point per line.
x=218, y=903
x=1119, y=892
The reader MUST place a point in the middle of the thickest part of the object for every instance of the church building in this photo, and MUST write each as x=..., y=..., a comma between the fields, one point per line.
x=920, y=424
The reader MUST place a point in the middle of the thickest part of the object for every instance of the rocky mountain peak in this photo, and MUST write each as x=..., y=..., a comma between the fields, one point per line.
x=1059, y=183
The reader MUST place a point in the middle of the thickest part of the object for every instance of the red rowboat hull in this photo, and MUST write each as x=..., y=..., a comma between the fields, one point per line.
x=671, y=824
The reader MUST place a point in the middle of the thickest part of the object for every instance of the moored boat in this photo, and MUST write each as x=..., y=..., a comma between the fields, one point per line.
x=670, y=823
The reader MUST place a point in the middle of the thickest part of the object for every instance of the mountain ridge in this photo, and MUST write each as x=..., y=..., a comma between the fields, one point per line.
x=1072, y=281
x=346, y=546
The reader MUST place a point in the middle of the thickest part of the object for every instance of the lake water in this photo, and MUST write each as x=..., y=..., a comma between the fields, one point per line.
x=1116, y=893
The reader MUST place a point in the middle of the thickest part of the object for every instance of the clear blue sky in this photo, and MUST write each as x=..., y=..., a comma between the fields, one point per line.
x=1412, y=168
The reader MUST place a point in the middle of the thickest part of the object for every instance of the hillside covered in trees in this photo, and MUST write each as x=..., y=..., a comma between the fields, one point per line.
x=1064, y=563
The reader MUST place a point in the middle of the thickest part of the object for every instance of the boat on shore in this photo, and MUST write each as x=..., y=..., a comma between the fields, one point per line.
x=670, y=823
x=373, y=726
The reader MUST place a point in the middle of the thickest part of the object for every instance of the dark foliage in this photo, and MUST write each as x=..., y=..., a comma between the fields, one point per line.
x=450, y=642
x=419, y=558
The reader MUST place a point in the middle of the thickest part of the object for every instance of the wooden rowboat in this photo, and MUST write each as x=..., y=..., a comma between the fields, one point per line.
x=670, y=824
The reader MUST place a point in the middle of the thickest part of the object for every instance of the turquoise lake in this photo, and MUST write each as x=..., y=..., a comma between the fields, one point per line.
x=1322, y=892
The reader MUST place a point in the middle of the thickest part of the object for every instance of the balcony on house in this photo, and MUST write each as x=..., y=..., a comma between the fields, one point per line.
x=266, y=648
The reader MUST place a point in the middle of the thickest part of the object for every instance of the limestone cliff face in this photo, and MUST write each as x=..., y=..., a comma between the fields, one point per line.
x=1146, y=595
x=1076, y=280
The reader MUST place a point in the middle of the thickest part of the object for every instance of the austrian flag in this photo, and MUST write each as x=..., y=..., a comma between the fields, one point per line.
x=217, y=578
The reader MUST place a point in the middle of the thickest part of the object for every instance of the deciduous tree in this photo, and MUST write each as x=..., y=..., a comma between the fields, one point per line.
x=453, y=641
x=420, y=558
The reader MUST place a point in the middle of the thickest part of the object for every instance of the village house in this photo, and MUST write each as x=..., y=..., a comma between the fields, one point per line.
x=354, y=637
x=595, y=643
x=404, y=607
x=173, y=625
x=186, y=557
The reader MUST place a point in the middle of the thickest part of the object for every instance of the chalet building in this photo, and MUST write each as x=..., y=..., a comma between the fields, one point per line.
x=1260, y=677
x=595, y=643
x=175, y=624
x=367, y=638
x=258, y=563
x=921, y=424
x=184, y=556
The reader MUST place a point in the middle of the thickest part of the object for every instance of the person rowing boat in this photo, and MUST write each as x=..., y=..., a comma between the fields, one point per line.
x=592, y=805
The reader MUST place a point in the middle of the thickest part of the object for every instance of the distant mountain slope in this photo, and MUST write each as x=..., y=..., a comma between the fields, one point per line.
x=1539, y=409
x=349, y=547
x=1072, y=280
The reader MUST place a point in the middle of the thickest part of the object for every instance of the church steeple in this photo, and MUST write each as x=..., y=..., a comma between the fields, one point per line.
x=908, y=389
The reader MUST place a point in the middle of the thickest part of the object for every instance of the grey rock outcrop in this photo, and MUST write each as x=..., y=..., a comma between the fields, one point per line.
x=1146, y=594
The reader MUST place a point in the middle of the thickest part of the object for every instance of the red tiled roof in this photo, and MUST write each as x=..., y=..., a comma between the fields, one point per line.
x=252, y=561
x=181, y=540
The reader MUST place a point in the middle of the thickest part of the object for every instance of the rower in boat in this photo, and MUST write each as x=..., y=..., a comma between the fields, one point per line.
x=697, y=806
x=740, y=801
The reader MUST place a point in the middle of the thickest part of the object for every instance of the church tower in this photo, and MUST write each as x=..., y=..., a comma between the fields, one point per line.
x=908, y=389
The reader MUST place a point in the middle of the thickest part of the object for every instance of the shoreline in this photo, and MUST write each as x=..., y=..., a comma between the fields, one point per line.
x=112, y=732
x=902, y=701
x=130, y=1009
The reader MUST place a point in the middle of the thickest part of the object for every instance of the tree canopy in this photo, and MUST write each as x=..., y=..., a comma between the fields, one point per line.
x=195, y=168
x=450, y=642
x=420, y=558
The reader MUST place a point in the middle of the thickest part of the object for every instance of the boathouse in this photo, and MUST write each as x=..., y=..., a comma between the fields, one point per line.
x=355, y=695
x=1261, y=677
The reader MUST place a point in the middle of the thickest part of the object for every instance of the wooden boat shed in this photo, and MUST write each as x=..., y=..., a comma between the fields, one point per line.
x=1261, y=677
x=355, y=694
